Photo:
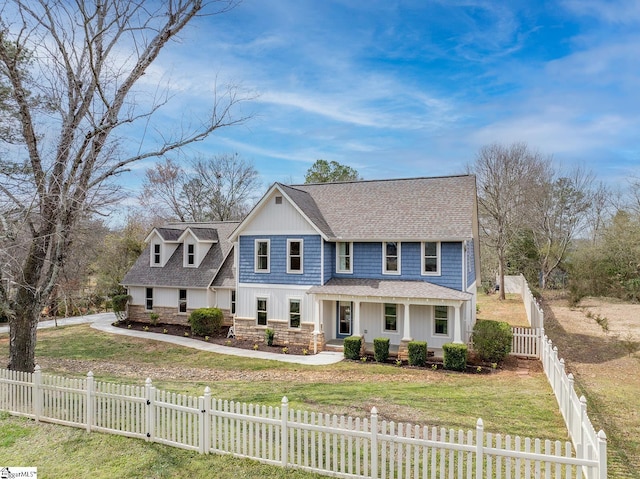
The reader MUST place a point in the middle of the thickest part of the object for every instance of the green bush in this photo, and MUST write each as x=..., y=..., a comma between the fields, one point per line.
x=417, y=353
x=352, y=346
x=381, y=349
x=206, y=321
x=492, y=340
x=269, y=335
x=455, y=356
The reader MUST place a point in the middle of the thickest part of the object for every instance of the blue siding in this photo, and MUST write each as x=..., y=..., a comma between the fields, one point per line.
x=278, y=261
x=367, y=263
x=471, y=263
x=329, y=260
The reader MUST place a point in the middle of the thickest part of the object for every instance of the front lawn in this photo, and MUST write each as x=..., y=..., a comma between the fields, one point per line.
x=508, y=403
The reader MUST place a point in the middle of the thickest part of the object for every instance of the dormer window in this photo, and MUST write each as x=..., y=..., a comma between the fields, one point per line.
x=191, y=254
x=155, y=257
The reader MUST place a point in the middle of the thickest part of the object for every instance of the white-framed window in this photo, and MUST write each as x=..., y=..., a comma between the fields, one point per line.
x=261, y=311
x=344, y=263
x=262, y=256
x=182, y=300
x=190, y=255
x=156, y=258
x=391, y=317
x=295, y=248
x=441, y=320
x=233, y=301
x=391, y=257
x=431, y=258
x=148, y=304
x=295, y=314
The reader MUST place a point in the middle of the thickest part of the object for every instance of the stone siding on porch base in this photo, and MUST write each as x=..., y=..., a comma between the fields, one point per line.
x=246, y=329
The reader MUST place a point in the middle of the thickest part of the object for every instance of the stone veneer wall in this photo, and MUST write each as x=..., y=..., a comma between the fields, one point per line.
x=168, y=315
x=246, y=329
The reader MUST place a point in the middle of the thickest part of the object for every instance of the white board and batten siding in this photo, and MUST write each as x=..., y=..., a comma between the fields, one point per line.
x=277, y=301
x=168, y=297
x=282, y=218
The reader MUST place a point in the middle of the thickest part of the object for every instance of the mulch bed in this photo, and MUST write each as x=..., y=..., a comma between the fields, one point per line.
x=221, y=338
x=474, y=366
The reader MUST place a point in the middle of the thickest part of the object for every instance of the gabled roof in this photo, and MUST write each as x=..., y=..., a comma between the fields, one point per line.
x=173, y=273
x=441, y=208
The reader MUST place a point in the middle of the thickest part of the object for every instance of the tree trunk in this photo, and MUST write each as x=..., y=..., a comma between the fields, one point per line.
x=27, y=306
x=22, y=337
x=501, y=276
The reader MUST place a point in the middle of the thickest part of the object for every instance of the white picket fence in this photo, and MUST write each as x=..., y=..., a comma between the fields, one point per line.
x=587, y=442
x=327, y=444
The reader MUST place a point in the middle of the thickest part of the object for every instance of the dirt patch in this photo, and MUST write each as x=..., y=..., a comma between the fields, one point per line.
x=596, y=338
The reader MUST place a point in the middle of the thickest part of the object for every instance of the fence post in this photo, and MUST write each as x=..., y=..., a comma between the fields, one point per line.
x=373, y=457
x=569, y=416
x=583, y=420
x=479, y=448
x=151, y=397
x=90, y=395
x=561, y=382
x=284, y=433
x=37, y=393
x=205, y=423
x=602, y=455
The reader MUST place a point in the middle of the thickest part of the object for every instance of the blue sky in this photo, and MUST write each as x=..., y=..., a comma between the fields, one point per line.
x=415, y=88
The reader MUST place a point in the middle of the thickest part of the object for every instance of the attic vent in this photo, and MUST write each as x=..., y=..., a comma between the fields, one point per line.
x=278, y=200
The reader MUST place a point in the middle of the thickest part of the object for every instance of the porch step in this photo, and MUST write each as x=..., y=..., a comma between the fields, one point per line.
x=339, y=348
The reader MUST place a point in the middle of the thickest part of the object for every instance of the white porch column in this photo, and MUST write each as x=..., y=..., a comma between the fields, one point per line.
x=457, y=332
x=355, y=324
x=406, y=336
x=317, y=310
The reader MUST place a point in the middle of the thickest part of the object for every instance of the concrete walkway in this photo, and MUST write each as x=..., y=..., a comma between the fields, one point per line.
x=102, y=322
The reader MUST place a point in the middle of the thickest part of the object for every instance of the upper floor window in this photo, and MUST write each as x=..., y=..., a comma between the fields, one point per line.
x=182, y=301
x=391, y=259
x=430, y=258
x=441, y=320
x=261, y=311
x=294, y=313
x=294, y=256
x=149, y=299
x=343, y=258
x=262, y=256
x=156, y=254
x=391, y=317
x=191, y=254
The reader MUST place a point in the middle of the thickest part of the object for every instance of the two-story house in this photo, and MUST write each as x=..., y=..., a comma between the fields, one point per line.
x=184, y=266
x=390, y=258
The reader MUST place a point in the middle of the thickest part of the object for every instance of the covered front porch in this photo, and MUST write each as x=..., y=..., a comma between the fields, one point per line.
x=402, y=311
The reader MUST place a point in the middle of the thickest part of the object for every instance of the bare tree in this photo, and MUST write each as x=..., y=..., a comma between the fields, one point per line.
x=71, y=72
x=507, y=177
x=560, y=213
x=218, y=188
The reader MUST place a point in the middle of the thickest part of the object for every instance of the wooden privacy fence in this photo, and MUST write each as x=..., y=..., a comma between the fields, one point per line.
x=338, y=446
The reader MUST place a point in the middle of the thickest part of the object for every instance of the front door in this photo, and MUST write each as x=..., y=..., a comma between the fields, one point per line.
x=345, y=315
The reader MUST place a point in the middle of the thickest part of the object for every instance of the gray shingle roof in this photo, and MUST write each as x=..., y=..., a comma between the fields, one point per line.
x=375, y=288
x=174, y=274
x=440, y=208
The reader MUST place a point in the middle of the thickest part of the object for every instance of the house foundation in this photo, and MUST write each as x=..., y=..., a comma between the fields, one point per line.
x=246, y=329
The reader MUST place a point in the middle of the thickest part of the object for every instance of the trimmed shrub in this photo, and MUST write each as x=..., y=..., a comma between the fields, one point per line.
x=206, y=321
x=492, y=340
x=455, y=356
x=269, y=335
x=417, y=353
x=381, y=349
x=352, y=347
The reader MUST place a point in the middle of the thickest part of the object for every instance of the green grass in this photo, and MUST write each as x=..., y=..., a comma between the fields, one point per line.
x=64, y=452
x=507, y=403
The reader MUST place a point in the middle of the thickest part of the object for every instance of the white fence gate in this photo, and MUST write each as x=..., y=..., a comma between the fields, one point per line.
x=327, y=444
